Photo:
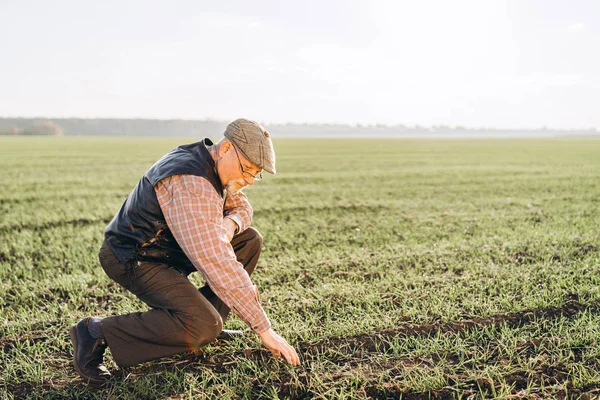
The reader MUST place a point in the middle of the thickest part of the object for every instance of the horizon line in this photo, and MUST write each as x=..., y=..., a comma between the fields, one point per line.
x=346, y=124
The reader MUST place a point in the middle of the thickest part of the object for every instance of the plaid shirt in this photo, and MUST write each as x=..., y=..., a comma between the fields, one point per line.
x=194, y=212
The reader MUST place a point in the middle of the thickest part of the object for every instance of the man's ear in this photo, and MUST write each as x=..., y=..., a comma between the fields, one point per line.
x=224, y=148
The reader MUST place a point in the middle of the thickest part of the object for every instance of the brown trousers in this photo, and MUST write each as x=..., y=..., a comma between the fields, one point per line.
x=182, y=317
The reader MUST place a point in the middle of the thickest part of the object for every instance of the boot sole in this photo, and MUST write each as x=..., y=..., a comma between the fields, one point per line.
x=227, y=334
x=73, y=334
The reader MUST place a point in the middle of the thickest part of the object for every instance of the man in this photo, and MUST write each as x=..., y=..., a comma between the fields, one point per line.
x=186, y=214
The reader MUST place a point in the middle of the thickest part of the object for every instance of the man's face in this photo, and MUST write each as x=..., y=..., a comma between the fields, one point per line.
x=235, y=170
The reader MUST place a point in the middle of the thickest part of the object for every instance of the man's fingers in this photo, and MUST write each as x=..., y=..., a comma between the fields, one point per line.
x=290, y=355
x=276, y=354
x=280, y=347
x=286, y=354
x=284, y=351
x=295, y=356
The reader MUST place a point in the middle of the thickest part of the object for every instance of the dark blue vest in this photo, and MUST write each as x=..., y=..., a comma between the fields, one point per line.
x=139, y=231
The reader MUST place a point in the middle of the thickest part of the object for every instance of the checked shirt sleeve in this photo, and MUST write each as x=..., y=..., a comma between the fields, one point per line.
x=194, y=213
x=238, y=208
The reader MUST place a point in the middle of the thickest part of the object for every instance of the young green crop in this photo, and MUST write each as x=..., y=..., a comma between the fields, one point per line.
x=398, y=268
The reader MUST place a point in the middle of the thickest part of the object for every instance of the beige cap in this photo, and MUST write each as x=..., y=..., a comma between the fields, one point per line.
x=253, y=141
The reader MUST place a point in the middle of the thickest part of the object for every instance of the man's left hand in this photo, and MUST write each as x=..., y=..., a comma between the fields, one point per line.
x=230, y=226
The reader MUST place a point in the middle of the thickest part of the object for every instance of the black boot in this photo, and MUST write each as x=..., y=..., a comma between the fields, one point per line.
x=87, y=353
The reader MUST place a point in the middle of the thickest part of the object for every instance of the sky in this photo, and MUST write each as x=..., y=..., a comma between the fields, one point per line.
x=479, y=63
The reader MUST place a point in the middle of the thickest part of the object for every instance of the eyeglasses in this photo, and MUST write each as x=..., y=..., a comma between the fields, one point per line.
x=257, y=177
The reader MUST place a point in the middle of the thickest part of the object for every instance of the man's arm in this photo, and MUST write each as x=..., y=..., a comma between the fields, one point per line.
x=238, y=217
x=237, y=209
x=193, y=212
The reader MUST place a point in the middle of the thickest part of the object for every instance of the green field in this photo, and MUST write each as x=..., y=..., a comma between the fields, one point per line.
x=398, y=269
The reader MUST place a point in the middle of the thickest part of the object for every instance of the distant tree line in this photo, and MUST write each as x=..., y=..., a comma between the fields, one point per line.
x=33, y=128
x=215, y=128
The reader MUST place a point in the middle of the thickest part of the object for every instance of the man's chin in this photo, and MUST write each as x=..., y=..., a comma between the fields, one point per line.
x=233, y=187
x=231, y=191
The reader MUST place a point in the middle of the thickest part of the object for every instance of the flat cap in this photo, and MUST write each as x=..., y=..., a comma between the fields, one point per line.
x=253, y=141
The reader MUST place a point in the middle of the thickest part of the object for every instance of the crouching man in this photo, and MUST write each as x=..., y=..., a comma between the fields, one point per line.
x=186, y=214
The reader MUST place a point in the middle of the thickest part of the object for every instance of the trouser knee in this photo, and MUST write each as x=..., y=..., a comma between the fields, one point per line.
x=254, y=239
x=204, y=329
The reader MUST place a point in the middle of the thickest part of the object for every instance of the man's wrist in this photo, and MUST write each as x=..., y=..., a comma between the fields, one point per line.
x=236, y=226
x=265, y=333
x=261, y=326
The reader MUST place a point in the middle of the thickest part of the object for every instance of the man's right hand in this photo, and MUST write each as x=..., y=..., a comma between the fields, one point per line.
x=278, y=346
